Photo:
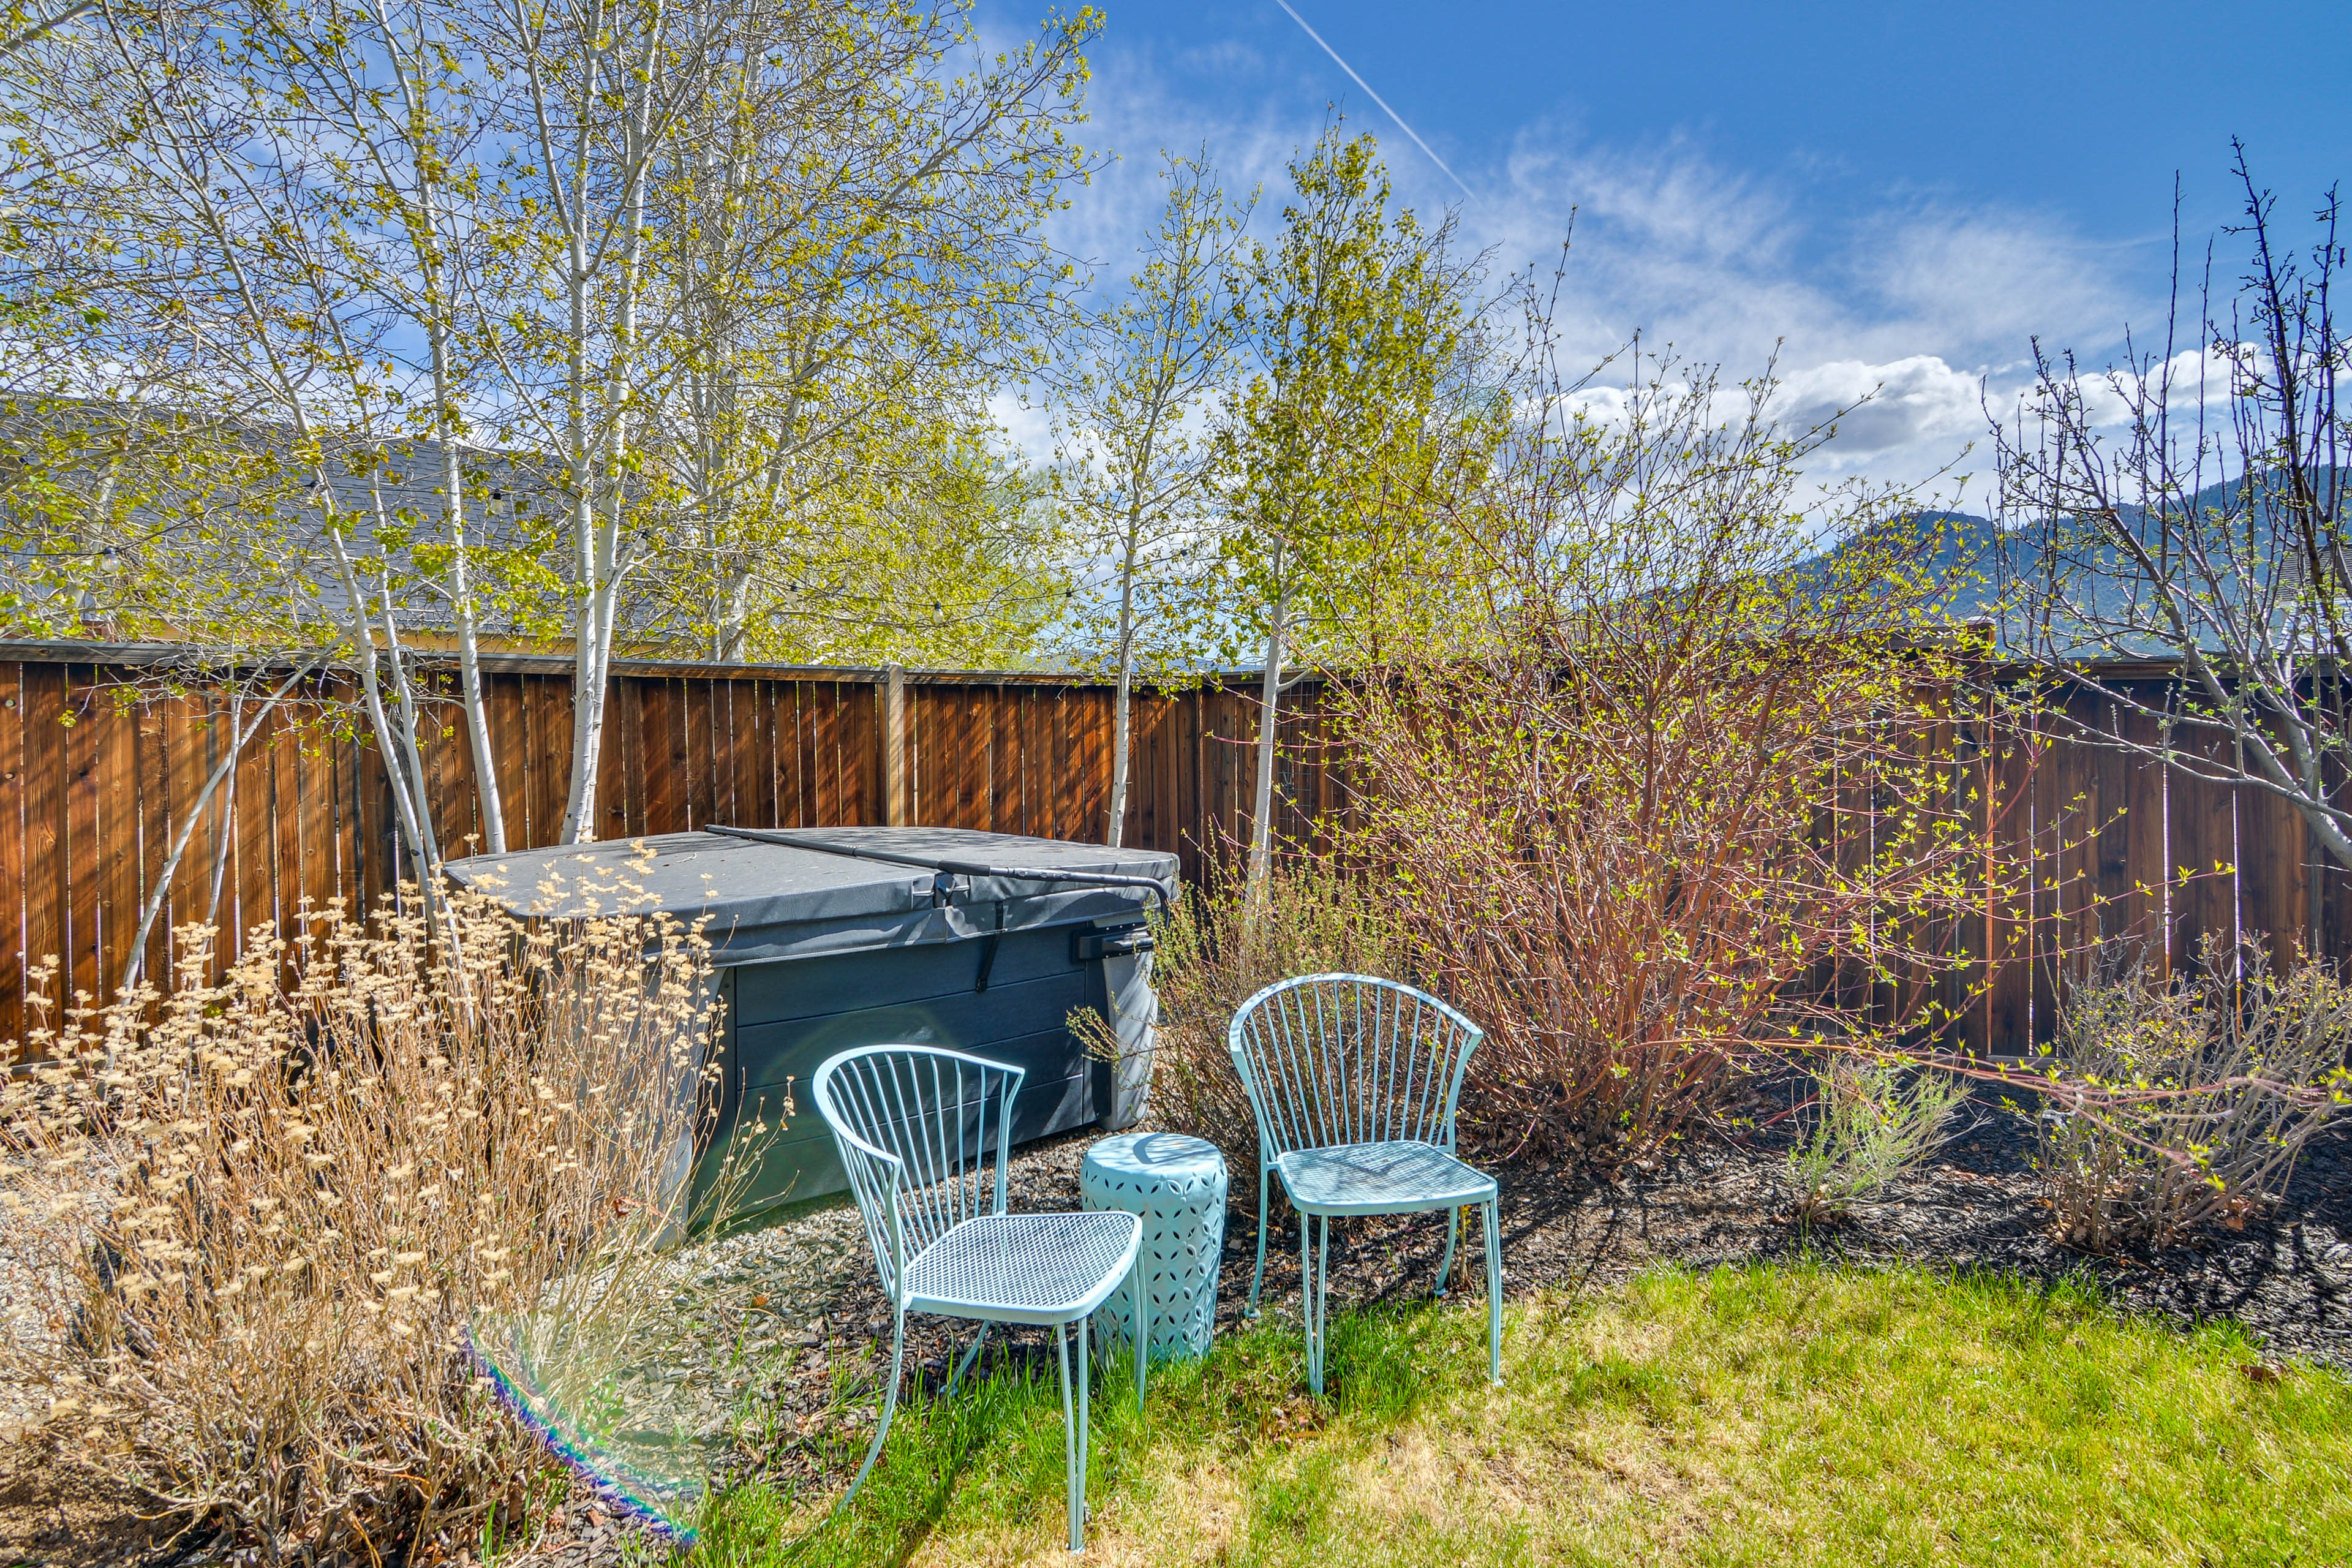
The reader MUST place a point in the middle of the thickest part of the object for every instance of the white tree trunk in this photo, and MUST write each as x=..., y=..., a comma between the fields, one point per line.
x=470, y=647
x=410, y=719
x=440, y=309
x=1269, y=719
x=406, y=795
x=239, y=733
x=593, y=657
x=1122, y=707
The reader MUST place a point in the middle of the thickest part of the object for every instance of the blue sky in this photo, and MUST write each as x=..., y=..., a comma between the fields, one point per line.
x=1899, y=195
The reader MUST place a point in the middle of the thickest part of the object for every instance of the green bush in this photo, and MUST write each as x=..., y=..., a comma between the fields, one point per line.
x=1316, y=919
x=2186, y=1101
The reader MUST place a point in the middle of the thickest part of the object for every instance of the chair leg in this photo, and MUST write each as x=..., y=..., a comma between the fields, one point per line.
x=1493, y=1295
x=889, y=1408
x=970, y=1356
x=1258, y=1278
x=1315, y=1292
x=1069, y=1437
x=1142, y=1320
x=1086, y=1422
x=1453, y=1234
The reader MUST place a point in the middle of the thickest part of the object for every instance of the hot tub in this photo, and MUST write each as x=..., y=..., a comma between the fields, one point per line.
x=824, y=939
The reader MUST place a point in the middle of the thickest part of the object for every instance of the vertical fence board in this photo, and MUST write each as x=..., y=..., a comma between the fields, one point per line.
x=625, y=811
x=2203, y=819
x=975, y=799
x=14, y=958
x=519, y=788
x=617, y=763
x=44, y=848
x=796, y=753
x=831, y=798
x=115, y=826
x=178, y=773
x=252, y=837
x=552, y=720
x=726, y=743
x=766, y=764
x=81, y=833
x=2009, y=929
x=859, y=753
x=1030, y=764
x=2273, y=885
x=283, y=751
x=160, y=764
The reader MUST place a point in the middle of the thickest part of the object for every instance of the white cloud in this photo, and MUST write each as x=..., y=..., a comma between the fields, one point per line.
x=1028, y=427
x=1929, y=308
x=1227, y=57
x=1882, y=408
x=1992, y=280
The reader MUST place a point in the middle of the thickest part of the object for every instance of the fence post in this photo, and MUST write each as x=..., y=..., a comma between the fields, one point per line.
x=894, y=746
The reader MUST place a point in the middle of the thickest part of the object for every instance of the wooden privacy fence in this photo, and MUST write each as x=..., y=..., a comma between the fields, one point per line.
x=98, y=773
x=2125, y=846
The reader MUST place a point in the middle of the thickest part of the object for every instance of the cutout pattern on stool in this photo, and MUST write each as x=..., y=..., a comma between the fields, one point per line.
x=1178, y=1185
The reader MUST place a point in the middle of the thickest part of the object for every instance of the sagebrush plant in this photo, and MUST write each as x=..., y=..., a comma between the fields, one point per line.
x=2178, y=1102
x=256, y=1214
x=1211, y=953
x=1873, y=1120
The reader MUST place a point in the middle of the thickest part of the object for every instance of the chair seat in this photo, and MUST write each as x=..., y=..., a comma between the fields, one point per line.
x=1024, y=1267
x=1380, y=1178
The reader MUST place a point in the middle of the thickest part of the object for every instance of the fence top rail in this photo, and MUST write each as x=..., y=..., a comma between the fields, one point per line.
x=151, y=654
x=196, y=658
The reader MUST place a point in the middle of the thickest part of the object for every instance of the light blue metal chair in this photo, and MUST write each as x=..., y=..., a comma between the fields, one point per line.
x=1354, y=1080
x=924, y=1135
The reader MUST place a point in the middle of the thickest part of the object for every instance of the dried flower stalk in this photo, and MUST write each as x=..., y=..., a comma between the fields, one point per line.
x=255, y=1216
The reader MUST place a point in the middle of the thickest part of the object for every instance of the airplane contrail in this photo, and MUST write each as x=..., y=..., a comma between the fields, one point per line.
x=1376, y=98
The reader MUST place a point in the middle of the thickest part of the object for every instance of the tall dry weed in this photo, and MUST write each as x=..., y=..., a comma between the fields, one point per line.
x=253, y=1218
x=1212, y=954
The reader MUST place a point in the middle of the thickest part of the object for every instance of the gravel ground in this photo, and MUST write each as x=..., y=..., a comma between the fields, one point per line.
x=786, y=1316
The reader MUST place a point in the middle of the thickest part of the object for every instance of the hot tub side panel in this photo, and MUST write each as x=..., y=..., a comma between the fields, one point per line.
x=786, y=1017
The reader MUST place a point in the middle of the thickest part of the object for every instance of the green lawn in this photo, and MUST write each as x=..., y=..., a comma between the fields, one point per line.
x=1749, y=1416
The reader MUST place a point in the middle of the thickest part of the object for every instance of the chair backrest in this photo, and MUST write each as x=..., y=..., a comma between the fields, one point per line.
x=1350, y=1059
x=923, y=1133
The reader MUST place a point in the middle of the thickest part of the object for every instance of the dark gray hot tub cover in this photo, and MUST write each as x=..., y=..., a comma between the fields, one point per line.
x=770, y=900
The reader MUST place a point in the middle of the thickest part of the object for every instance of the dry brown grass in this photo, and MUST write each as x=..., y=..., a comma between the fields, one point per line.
x=253, y=1217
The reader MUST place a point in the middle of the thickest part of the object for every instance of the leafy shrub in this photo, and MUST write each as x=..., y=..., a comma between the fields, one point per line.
x=1675, y=788
x=2189, y=1101
x=257, y=1215
x=1869, y=1126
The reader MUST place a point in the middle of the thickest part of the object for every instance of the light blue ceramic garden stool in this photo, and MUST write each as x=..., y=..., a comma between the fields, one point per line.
x=1178, y=1185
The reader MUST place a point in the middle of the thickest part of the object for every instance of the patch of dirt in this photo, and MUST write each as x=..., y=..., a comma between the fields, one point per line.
x=54, y=1518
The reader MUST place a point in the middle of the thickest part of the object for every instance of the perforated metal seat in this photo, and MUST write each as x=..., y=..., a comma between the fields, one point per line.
x=1353, y=1080
x=1024, y=1267
x=924, y=1135
x=1380, y=1178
